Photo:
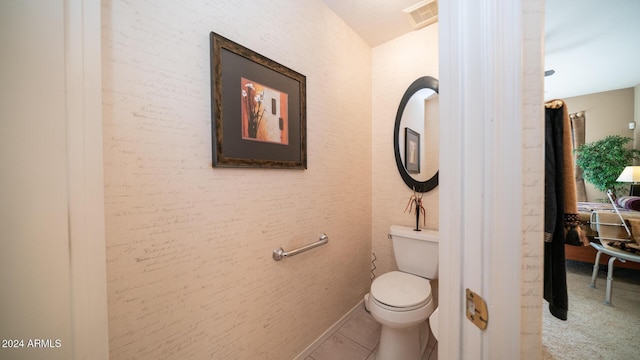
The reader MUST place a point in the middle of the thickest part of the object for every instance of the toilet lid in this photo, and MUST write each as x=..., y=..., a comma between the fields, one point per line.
x=401, y=290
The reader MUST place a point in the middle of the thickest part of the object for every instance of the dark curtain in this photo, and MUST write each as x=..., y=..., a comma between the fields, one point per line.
x=555, y=276
x=578, y=124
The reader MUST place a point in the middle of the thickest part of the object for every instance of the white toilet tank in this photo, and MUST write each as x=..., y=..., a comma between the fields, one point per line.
x=416, y=252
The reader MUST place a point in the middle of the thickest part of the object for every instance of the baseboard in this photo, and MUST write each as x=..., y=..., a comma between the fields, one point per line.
x=311, y=348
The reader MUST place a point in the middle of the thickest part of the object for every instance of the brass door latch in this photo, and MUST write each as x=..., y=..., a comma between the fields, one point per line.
x=477, y=310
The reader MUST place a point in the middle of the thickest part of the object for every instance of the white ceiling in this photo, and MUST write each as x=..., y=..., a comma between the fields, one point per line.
x=376, y=21
x=593, y=45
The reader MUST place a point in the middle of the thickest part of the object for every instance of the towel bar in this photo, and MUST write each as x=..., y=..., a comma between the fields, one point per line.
x=279, y=253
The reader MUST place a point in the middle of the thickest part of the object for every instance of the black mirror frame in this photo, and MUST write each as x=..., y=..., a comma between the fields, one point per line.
x=425, y=82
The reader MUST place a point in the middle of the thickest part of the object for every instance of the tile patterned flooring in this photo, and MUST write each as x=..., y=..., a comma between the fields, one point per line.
x=358, y=339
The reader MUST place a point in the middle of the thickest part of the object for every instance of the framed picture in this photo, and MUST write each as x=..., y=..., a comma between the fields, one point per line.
x=258, y=109
x=411, y=151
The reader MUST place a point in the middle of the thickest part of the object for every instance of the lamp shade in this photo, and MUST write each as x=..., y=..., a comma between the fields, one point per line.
x=630, y=174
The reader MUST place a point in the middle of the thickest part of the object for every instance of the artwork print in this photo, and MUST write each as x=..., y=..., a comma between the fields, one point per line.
x=412, y=151
x=258, y=110
x=264, y=113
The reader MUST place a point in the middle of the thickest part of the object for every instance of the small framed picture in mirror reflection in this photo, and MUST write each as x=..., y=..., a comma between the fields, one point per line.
x=411, y=151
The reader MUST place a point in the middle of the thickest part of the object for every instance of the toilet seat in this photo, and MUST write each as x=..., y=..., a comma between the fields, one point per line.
x=398, y=291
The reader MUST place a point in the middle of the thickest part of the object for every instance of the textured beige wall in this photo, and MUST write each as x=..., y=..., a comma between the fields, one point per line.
x=396, y=64
x=189, y=246
x=607, y=113
x=532, y=250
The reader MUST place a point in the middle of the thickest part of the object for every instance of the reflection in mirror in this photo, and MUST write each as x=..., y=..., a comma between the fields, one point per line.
x=421, y=117
x=416, y=135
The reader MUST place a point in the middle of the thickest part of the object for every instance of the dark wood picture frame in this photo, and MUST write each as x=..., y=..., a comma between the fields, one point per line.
x=411, y=151
x=258, y=109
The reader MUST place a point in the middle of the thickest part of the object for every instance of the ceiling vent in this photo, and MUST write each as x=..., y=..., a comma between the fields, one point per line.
x=422, y=14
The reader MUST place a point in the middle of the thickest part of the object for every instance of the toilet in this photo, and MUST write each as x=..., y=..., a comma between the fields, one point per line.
x=433, y=323
x=401, y=300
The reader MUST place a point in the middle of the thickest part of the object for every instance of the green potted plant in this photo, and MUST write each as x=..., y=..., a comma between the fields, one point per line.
x=602, y=161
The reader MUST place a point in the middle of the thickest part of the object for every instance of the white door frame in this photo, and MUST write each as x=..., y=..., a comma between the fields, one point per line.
x=83, y=66
x=491, y=178
x=53, y=278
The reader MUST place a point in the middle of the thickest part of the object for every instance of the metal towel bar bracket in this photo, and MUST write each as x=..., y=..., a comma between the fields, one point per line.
x=279, y=253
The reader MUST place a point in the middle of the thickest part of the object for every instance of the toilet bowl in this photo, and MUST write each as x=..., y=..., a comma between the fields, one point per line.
x=433, y=323
x=401, y=303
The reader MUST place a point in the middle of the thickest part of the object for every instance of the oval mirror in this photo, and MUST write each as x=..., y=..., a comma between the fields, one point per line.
x=416, y=135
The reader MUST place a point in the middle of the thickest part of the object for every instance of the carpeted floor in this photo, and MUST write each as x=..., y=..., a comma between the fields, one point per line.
x=594, y=330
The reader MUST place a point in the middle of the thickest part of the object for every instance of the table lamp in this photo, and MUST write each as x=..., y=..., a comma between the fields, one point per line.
x=631, y=174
